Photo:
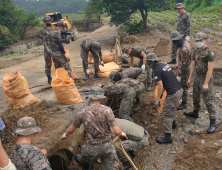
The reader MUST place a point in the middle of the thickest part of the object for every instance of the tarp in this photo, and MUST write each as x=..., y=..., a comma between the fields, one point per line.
x=108, y=68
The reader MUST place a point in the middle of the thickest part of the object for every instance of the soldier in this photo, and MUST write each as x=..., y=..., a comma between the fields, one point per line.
x=44, y=34
x=183, y=27
x=137, y=140
x=183, y=67
x=141, y=53
x=60, y=58
x=203, y=64
x=166, y=80
x=98, y=121
x=25, y=155
x=126, y=95
x=94, y=47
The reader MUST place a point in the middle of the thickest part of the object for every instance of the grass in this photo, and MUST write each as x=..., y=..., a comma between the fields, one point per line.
x=12, y=53
x=74, y=16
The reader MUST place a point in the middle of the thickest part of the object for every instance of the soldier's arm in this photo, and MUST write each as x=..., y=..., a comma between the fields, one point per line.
x=131, y=61
x=112, y=122
x=70, y=130
x=42, y=36
x=100, y=55
x=59, y=42
x=209, y=72
x=160, y=89
x=188, y=27
x=192, y=68
x=144, y=57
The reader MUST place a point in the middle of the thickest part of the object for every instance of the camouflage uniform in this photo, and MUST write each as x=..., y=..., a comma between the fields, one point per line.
x=86, y=47
x=44, y=34
x=184, y=60
x=136, y=51
x=184, y=28
x=27, y=157
x=126, y=94
x=58, y=58
x=134, y=73
x=170, y=106
x=201, y=59
x=98, y=120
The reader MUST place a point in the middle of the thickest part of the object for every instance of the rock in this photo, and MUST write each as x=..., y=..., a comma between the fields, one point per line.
x=145, y=122
x=217, y=95
x=220, y=43
x=215, y=145
x=185, y=139
x=220, y=132
x=203, y=141
x=158, y=32
x=220, y=151
x=219, y=141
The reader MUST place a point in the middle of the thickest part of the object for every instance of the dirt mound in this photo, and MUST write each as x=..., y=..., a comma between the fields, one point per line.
x=131, y=39
x=32, y=32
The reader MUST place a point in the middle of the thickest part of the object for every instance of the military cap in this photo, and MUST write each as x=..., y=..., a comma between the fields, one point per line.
x=200, y=36
x=27, y=126
x=125, y=48
x=179, y=6
x=47, y=18
x=96, y=93
x=96, y=46
x=112, y=75
x=60, y=24
x=152, y=57
x=175, y=35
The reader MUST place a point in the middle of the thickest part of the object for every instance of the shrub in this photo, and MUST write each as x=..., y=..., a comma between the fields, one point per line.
x=135, y=27
x=80, y=12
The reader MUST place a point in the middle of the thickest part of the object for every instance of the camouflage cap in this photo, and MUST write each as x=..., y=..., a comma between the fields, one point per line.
x=125, y=48
x=175, y=35
x=96, y=93
x=60, y=24
x=96, y=46
x=152, y=57
x=47, y=18
x=27, y=126
x=112, y=75
x=179, y=6
x=200, y=36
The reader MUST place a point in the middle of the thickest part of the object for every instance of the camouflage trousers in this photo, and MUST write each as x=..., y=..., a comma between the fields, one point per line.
x=208, y=97
x=60, y=61
x=149, y=73
x=170, y=107
x=184, y=79
x=130, y=145
x=106, y=151
x=126, y=103
x=48, y=64
x=174, y=51
x=84, y=55
x=139, y=88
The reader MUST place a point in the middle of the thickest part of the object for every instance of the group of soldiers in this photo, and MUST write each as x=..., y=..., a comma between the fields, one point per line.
x=100, y=124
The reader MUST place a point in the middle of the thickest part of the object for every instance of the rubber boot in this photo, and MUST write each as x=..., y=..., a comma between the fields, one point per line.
x=174, y=125
x=148, y=87
x=165, y=140
x=182, y=106
x=173, y=61
x=213, y=126
x=192, y=114
x=127, y=165
x=97, y=74
x=49, y=79
x=79, y=161
x=86, y=77
x=132, y=153
x=138, y=105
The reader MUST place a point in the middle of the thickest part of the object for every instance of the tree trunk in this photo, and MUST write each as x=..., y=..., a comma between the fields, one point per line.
x=144, y=15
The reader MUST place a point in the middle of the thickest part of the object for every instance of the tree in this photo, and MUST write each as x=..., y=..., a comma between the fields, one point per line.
x=121, y=11
x=94, y=8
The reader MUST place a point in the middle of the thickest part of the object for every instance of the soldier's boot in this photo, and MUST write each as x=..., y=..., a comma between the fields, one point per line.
x=97, y=74
x=80, y=161
x=192, y=114
x=165, y=140
x=182, y=106
x=49, y=79
x=132, y=153
x=173, y=61
x=148, y=87
x=138, y=104
x=213, y=126
x=86, y=77
x=174, y=125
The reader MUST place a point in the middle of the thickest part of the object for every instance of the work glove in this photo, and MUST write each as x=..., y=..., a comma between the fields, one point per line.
x=188, y=83
x=176, y=68
x=88, y=71
x=143, y=67
x=67, y=57
x=102, y=63
x=205, y=88
x=187, y=38
x=64, y=136
x=179, y=79
x=124, y=135
x=158, y=102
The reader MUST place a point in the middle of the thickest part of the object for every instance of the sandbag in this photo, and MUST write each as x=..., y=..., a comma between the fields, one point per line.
x=162, y=100
x=106, y=56
x=64, y=88
x=108, y=68
x=17, y=90
x=53, y=66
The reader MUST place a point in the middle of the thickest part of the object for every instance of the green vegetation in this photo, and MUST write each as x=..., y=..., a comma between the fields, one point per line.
x=94, y=9
x=74, y=16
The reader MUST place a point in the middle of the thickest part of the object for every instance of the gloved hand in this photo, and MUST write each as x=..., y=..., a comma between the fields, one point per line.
x=67, y=57
x=158, y=102
x=143, y=66
x=64, y=136
x=205, y=88
x=176, y=68
x=88, y=71
x=188, y=83
x=102, y=63
x=179, y=79
x=49, y=52
x=124, y=135
x=187, y=38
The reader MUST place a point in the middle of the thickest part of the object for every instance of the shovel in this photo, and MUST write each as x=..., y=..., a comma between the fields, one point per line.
x=123, y=150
